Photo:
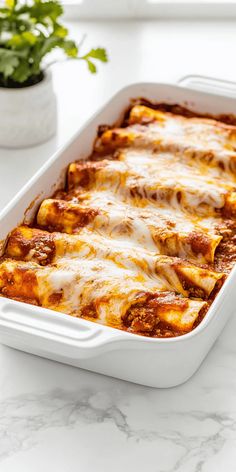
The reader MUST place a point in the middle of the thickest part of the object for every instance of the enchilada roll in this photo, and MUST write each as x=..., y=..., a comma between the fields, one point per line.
x=119, y=138
x=188, y=279
x=203, y=201
x=178, y=275
x=200, y=139
x=144, y=115
x=59, y=215
x=102, y=175
x=195, y=245
x=155, y=314
x=19, y=281
x=154, y=181
x=25, y=243
x=154, y=228
x=139, y=165
x=150, y=228
x=72, y=288
x=82, y=172
x=196, y=132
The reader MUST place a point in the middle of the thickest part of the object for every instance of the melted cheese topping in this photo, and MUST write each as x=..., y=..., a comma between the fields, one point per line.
x=135, y=239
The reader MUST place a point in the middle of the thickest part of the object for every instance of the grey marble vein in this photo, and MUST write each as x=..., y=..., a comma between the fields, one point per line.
x=23, y=417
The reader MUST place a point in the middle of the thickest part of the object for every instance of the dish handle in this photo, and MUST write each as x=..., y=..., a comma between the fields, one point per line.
x=209, y=84
x=47, y=330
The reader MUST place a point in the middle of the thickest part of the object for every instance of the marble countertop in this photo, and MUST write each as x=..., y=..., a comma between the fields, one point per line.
x=59, y=418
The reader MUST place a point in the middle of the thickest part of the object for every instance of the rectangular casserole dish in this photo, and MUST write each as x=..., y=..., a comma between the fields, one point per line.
x=148, y=361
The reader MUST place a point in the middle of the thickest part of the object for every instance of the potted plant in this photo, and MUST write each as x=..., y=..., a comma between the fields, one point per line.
x=29, y=31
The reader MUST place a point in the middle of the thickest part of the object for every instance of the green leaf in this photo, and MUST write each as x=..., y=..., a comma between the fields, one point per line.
x=49, y=44
x=15, y=41
x=4, y=11
x=21, y=72
x=60, y=31
x=91, y=66
x=29, y=30
x=8, y=62
x=70, y=48
x=23, y=41
x=98, y=53
x=42, y=10
x=29, y=37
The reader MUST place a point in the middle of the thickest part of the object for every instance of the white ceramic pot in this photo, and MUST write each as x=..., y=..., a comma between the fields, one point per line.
x=28, y=115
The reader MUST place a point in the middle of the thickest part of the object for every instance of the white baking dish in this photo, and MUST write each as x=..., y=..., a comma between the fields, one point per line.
x=153, y=362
